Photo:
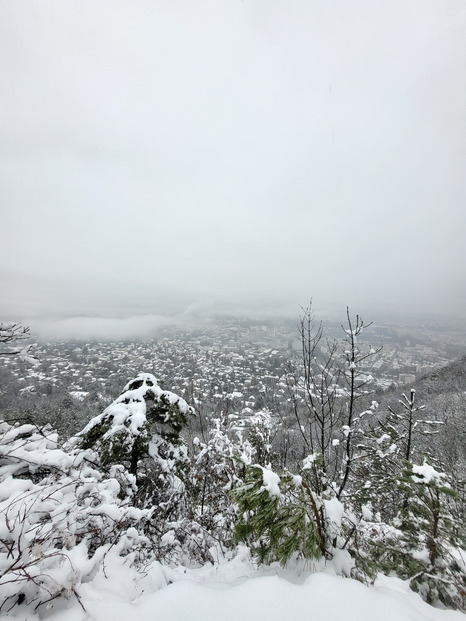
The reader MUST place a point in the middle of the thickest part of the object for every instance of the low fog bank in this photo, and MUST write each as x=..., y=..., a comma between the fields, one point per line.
x=112, y=309
x=144, y=326
x=100, y=328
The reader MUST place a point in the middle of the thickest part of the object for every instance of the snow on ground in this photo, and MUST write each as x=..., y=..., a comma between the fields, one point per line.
x=234, y=591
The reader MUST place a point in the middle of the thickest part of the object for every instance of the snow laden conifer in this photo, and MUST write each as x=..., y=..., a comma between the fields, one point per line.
x=141, y=430
x=143, y=422
x=279, y=517
x=425, y=543
x=412, y=520
x=430, y=550
x=391, y=440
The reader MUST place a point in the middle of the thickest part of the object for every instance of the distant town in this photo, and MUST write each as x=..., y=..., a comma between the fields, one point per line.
x=230, y=364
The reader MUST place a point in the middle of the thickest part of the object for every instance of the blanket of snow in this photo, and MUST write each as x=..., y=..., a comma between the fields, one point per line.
x=235, y=590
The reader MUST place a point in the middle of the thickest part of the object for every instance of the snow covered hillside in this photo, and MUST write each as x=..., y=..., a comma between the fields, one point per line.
x=236, y=590
x=126, y=520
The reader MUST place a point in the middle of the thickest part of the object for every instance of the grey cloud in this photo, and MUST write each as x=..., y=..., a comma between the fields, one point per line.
x=251, y=154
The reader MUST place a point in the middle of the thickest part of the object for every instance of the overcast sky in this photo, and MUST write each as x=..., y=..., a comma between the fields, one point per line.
x=158, y=156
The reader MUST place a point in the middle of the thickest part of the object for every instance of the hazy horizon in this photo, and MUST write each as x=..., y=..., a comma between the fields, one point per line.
x=161, y=160
x=112, y=319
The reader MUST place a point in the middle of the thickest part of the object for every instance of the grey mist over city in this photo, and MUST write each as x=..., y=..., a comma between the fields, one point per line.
x=174, y=160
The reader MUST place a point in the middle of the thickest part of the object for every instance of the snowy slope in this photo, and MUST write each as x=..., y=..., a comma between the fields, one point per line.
x=236, y=591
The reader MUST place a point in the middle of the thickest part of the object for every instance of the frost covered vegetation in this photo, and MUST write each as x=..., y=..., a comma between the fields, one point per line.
x=154, y=482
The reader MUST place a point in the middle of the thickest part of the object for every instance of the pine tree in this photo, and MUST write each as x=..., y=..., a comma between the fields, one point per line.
x=140, y=431
x=426, y=546
x=280, y=517
x=143, y=422
x=410, y=524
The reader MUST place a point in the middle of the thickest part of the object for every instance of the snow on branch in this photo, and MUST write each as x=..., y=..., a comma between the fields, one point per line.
x=13, y=332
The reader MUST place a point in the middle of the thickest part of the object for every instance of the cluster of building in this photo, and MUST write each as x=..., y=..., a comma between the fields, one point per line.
x=231, y=364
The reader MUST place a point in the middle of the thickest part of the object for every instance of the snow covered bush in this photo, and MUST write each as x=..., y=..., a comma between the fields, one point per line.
x=218, y=467
x=59, y=517
x=116, y=486
x=261, y=430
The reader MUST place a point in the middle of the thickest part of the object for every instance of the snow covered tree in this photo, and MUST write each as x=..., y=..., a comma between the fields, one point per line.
x=325, y=387
x=143, y=422
x=427, y=544
x=141, y=431
x=305, y=513
x=280, y=517
x=389, y=442
x=411, y=523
